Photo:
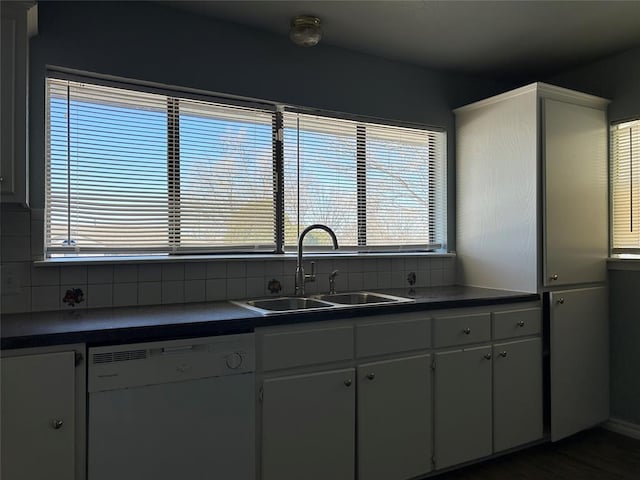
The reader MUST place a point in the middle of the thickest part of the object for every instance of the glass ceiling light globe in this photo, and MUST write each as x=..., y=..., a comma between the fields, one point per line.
x=305, y=31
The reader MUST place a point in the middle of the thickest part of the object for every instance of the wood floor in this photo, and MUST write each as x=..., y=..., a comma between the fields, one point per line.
x=593, y=455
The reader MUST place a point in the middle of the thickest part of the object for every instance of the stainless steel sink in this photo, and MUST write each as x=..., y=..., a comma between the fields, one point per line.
x=268, y=306
x=283, y=304
x=360, y=298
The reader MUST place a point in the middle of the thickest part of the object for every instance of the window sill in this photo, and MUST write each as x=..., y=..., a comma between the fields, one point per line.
x=626, y=261
x=70, y=261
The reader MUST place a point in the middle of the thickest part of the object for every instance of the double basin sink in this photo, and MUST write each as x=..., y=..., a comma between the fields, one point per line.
x=317, y=302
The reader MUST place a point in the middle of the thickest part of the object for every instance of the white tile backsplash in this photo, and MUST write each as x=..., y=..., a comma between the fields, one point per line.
x=100, y=274
x=45, y=298
x=172, y=272
x=73, y=275
x=356, y=281
x=125, y=273
x=236, y=288
x=216, y=289
x=149, y=293
x=16, y=223
x=256, y=287
x=195, y=290
x=125, y=294
x=16, y=249
x=150, y=272
x=173, y=291
x=195, y=271
x=29, y=287
x=99, y=295
x=236, y=269
x=217, y=270
x=41, y=276
x=254, y=268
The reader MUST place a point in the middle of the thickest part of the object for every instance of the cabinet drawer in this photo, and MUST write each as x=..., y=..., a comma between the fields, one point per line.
x=462, y=329
x=295, y=348
x=516, y=323
x=394, y=335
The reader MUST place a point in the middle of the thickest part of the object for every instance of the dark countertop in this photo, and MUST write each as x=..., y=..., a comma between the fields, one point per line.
x=157, y=322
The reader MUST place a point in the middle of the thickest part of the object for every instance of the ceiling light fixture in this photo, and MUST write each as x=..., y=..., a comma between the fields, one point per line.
x=305, y=30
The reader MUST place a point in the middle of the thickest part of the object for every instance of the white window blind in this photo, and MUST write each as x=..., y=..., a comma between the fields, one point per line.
x=379, y=187
x=625, y=186
x=320, y=181
x=131, y=171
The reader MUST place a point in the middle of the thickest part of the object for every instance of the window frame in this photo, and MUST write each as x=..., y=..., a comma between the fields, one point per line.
x=615, y=179
x=174, y=95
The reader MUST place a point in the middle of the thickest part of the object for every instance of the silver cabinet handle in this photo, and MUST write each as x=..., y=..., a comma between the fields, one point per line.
x=57, y=423
x=503, y=354
x=348, y=382
x=560, y=301
x=521, y=323
x=554, y=276
x=487, y=356
x=467, y=331
x=371, y=376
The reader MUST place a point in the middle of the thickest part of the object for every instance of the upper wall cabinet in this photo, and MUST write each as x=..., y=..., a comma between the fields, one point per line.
x=19, y=23
x=532, y=189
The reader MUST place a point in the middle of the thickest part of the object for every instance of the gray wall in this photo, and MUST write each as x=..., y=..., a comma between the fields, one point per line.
x=151, y=42
x=146, y=41
x=618, y=78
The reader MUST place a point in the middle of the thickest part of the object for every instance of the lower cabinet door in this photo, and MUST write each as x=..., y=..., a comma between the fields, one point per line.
x=38, y=417
x=462, y=406
x=308, y=426
x=579, y=357
x=517, y=393
x=394, y=419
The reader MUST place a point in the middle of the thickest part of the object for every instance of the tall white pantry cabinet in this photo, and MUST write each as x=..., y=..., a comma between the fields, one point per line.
x=532, y=215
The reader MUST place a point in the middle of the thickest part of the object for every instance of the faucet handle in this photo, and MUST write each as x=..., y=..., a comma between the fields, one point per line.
x=311, y=277
x=332, y=282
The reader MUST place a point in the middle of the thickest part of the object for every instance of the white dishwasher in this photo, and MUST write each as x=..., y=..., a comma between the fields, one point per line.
x=181, y=409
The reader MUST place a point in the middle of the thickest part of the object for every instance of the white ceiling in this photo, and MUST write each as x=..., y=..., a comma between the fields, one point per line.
x=496, y=38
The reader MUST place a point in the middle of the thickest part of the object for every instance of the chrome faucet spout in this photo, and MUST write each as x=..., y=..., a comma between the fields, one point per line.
x=301, y=278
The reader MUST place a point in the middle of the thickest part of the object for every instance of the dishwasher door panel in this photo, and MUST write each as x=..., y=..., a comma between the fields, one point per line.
x=194, y=429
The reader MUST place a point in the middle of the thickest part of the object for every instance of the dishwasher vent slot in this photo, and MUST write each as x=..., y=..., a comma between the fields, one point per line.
x=110, y=357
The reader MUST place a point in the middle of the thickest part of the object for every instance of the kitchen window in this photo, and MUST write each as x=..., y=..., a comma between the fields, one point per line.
x=625, y=187
x=133, y=171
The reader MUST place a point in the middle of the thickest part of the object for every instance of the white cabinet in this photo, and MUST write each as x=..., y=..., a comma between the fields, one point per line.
x=517, y=393
x=531, y=172
x=533, y=216
x=462, y=406
x=308, y=426
x=394, y=397
x=42, y=410
x=575, y=193
x=394, y=418
x=580, y=361
x=19, y=23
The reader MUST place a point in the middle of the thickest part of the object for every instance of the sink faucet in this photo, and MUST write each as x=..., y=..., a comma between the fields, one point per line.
x=301, y=277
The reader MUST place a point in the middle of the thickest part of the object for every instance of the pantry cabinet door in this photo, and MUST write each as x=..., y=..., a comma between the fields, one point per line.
x=575, y=194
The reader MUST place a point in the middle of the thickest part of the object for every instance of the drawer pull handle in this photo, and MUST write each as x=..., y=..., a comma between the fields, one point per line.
x=487, y=356
x=57, y=423
x=503, y=354
x=371, y=376
x=348, y=382
x=560, y=301
x=521, y=323
x=554, y=276
x=467, y=331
